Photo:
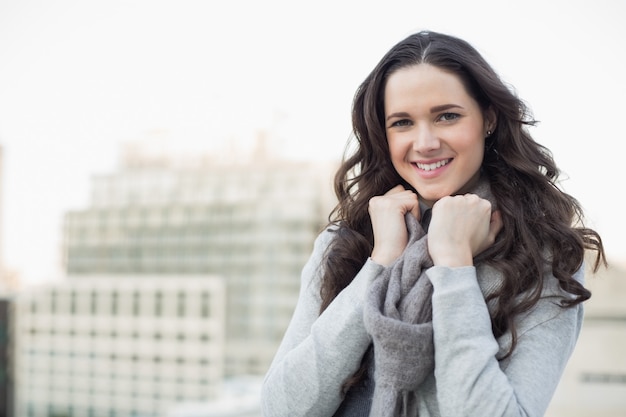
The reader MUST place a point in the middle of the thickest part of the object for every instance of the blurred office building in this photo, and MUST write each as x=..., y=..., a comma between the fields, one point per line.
x=122, y=347
x=8, y=284
x=594, y=382
x=241, y=397
x=250, y=220
x=6, y=355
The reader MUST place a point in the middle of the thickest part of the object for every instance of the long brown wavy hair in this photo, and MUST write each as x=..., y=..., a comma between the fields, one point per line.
x=538, y=217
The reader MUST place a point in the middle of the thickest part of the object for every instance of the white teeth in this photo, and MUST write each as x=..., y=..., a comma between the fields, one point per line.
x=430, y=167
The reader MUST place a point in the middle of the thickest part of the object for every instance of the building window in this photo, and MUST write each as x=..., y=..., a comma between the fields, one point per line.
x=73, y=303
x=603, y=378
x=204, y=304
x=181, y=304
x=114, y=303
x=93, y=301
x=136, y=300
x=53, y=301
x=158, y=304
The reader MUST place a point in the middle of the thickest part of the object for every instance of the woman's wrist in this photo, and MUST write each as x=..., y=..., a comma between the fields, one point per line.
x=384, y=258
x=453, y=259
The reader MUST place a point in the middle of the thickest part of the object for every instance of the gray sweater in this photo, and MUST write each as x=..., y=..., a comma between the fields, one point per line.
x=319, y=352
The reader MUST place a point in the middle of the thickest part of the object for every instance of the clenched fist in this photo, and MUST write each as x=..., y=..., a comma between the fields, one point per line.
x=461, y=227
x=387, y=214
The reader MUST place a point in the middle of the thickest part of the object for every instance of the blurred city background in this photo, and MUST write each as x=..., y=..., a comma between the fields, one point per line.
x=165, y=167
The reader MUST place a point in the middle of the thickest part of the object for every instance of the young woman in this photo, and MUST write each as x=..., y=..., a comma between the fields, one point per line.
x=449, y=281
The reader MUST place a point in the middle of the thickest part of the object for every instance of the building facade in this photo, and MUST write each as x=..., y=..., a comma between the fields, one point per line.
x=119, y=346
x=594, y=382
x=251, y=222
x=6, y=356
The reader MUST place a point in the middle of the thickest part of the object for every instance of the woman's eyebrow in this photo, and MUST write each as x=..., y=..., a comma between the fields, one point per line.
x=398, y=114
x=444, y=107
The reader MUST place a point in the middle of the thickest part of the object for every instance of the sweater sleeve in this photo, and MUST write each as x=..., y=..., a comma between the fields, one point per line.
x=470, y=379
x=318, y=352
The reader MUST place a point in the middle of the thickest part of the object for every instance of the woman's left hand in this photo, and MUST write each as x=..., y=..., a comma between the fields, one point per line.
x=461, y=227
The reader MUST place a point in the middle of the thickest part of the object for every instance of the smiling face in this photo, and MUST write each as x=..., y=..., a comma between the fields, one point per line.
x=435, y=131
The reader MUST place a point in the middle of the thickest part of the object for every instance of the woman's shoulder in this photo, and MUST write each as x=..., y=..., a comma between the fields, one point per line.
x=312, y=269
x=325, y=236
x=552, y=286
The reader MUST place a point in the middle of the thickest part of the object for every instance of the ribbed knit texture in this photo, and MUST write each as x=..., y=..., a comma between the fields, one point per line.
x=398, y=316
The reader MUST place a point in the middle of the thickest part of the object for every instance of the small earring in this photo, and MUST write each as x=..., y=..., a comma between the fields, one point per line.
x=489, y=133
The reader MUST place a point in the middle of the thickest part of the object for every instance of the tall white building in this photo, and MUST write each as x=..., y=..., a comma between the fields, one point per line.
x=252, y=222
x=118, y=347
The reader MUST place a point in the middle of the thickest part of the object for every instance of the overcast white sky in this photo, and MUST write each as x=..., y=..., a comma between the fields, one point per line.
x=77, y=78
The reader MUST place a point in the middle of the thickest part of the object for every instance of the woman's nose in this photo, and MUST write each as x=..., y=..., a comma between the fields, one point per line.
x=425, y=140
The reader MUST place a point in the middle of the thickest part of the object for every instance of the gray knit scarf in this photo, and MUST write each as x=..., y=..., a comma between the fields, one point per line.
x=398, y=316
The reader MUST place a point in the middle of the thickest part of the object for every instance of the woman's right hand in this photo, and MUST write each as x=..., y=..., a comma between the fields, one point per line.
x=387, y=215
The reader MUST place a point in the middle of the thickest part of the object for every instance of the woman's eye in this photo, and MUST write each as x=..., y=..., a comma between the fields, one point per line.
x=403, y=122
x=447, y=117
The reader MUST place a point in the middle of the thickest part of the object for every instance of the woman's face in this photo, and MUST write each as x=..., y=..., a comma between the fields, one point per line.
x=435, y=131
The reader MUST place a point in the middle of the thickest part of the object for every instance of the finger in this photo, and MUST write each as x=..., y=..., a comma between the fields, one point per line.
x=411, y=203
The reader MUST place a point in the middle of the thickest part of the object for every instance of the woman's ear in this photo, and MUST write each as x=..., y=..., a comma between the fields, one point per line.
x=491, y=119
